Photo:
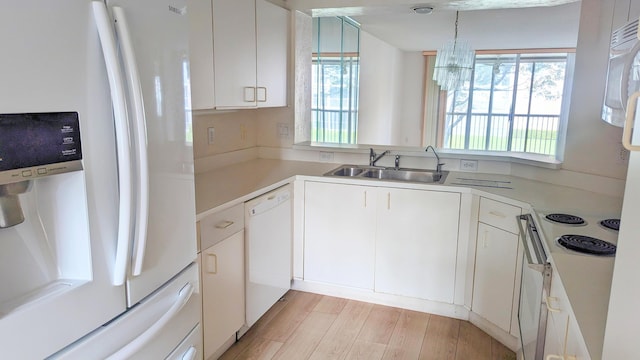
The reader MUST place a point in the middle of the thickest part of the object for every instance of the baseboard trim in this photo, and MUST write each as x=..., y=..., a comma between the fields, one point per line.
x=427, y=306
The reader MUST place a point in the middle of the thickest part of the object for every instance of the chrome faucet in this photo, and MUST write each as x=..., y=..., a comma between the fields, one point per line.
x=373, y=158
x=438, y=163
x=397, y=164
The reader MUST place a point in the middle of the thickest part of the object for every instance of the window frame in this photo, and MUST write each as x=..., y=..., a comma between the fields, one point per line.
x=443, y=111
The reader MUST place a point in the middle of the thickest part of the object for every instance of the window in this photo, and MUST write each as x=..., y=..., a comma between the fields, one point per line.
x=335, y=77
x=513, y=102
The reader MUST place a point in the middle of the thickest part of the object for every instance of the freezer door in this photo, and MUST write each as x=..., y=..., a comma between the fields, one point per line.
x=153, y=329
x=54, y=65
x=165, y=196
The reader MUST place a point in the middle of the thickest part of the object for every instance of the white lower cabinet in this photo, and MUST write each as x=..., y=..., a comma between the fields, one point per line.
x=395, y=241
x=339, y=234
x=416, y=243
x=223, y=291
x=222, y=277
x=496, y=284
x=495, y=275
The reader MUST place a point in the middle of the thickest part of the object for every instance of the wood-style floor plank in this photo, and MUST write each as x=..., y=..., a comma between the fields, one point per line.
x=331, y=305
x=260, y=349
x=501, y=352
x=473, y=343
x=304, y=340
x=407, y=337
x=379, y=324
x=441, y=339
x=247, y=340
x=282, y=326
x=311, y=326
x=365, y=350
x=343, y=332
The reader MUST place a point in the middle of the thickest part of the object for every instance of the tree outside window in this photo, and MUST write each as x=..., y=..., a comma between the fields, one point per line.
x=512, y=103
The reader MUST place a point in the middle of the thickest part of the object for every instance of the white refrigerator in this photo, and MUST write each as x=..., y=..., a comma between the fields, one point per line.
x=97, y=258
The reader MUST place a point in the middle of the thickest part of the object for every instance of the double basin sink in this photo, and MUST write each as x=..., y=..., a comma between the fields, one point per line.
x=406, y=175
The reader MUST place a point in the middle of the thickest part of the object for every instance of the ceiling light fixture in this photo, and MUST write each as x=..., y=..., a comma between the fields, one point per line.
x=422, y=10
x=454, y=62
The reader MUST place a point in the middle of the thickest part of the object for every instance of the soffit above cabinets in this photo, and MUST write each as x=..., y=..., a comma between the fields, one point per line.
x=373, y=7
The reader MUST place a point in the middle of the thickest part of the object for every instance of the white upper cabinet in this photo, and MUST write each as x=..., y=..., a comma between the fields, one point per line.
x=234, y=53
x=239, y=52
x=272, y=24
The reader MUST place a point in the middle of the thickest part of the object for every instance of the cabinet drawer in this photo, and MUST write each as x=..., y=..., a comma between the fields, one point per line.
x=221, y=225
x=499, y=214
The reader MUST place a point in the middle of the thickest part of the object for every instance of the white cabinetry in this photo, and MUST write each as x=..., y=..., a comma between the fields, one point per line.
x=239, y=52
x=339, y=234
x=563, y=338
x=272, y=25
x=416, y=243
x=405, y=239
x=496, y=286
x=223, y=287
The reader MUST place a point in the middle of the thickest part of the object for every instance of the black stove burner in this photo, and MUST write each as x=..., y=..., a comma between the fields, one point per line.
x=587, y=244
x=613, y=224
x=566, y=219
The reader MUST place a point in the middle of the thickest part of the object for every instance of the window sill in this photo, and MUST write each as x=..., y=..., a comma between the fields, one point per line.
x=542, y=161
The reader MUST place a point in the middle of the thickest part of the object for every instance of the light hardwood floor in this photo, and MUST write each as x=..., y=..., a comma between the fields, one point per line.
x=311, y=326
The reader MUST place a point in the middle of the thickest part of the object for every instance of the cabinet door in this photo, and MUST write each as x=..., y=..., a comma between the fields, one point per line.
x=416, y=243
x=222, y=291
x=234, y=53
x=339, y=234
x=272, y=23
x=201, y=54
x=494, y=279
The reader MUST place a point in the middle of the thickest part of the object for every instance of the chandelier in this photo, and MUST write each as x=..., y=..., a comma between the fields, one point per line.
x=454, y=62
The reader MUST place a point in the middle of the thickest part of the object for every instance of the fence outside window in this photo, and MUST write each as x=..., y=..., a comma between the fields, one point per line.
x=512, y=103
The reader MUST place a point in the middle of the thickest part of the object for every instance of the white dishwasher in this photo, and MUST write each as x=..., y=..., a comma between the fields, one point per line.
x=268, y=250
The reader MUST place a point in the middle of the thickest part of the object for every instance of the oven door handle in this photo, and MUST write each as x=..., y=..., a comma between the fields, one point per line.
x=534, y=243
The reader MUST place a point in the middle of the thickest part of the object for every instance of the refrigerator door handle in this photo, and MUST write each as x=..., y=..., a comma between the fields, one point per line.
x=140, y=137
x=138, y=343
x=628, y=123
x=123, y=141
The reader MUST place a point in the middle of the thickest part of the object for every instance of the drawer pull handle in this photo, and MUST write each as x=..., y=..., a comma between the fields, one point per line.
x=224, y=224
x=212, y=264
x=549, y=307
x=498, y=214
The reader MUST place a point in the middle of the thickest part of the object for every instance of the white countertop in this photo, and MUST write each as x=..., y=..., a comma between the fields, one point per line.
x=225, y=187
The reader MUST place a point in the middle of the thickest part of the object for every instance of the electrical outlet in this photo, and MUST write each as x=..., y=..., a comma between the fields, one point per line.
x=326, y=156
x=243, y=132
x=468, y=165
x=211, y=132
x=283, y=130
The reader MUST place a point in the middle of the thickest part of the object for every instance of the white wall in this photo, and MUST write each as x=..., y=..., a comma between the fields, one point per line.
x=543, y=27
x=408, y=131
x=592, y=146
x=391, y=93
x=380, y=90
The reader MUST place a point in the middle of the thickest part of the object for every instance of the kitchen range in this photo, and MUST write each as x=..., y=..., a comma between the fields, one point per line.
x=579, y=232
x=544, y=235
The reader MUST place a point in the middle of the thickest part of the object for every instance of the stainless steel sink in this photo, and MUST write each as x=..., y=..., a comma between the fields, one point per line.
x=347, y=171
x=405, y=175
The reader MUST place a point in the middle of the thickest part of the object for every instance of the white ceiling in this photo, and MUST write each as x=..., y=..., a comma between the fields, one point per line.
x=486, y=24
x=369, y=7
